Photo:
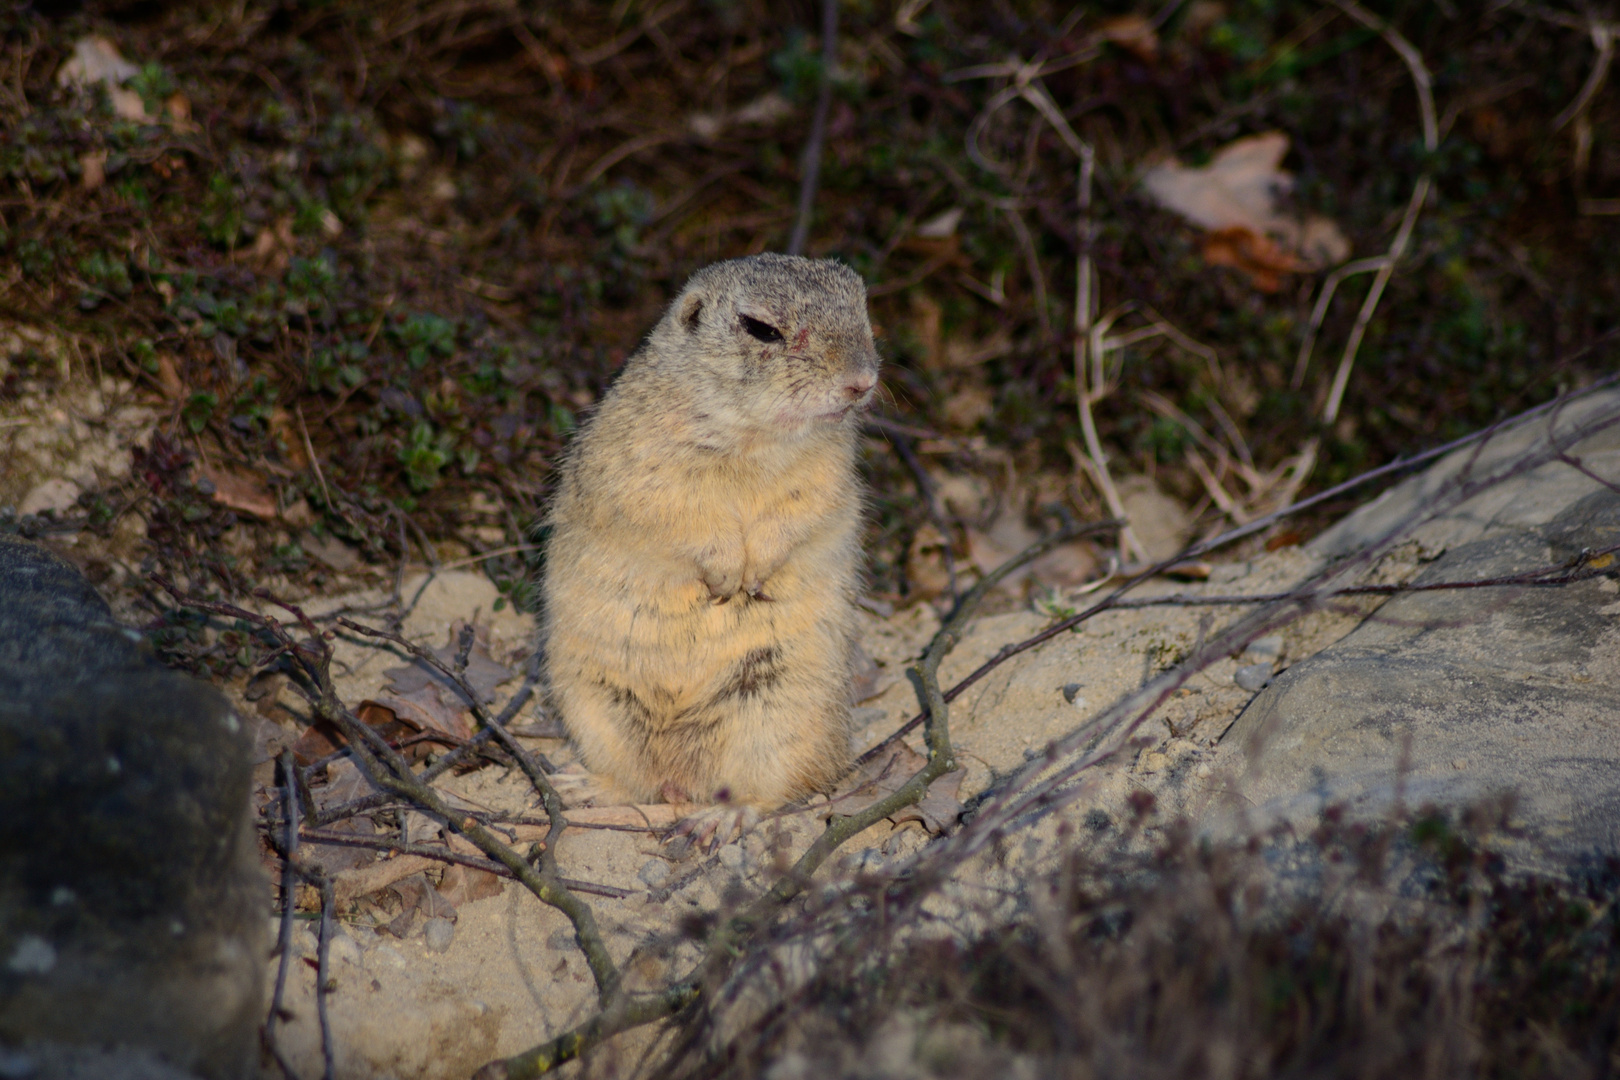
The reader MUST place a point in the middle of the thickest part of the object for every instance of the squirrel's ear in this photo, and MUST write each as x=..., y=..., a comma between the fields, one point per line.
x=691, y=312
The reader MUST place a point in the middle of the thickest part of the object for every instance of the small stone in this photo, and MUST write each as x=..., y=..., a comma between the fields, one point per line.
x=305, y=944
x=1266, y=648
x=439, y=932
x=343, y=949
x=32, y=956
x=55, y=494
x=1253, y=677
x=1071, y=694
x=561, y=939
x=653, y=873
x=389, y=957
x=1153, y=761
x=731, y=857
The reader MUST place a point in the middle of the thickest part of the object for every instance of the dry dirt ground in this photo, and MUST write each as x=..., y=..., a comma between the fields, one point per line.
x=511, y=975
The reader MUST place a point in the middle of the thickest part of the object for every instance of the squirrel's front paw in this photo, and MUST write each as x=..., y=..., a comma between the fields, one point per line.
x=722, y=586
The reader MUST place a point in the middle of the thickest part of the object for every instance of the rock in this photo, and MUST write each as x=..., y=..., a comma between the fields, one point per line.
x=1266, y=648
x=438, y=932
x=1252, y=677
x=343, y=949
x=390, y=958
x=1459, y=697
x=131, y=903
x=653, y=873
x=55, y=494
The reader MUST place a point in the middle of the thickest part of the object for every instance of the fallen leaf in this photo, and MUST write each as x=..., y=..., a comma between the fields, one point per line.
x=1236, y=197
x=925, y=564
x=939, y=809
x=877, y=779
x=942, y=225
x=1133, y=33
x=92, y=169
x=97, y=60
x=178, y=106
x=331, y=551
x=418, y=897
x=423, y=709
x=869, y=680
x=1258, y=256
x=345, y=783
x=483, y=674
x=884, y=775
x=169, y=379
x=464, y=884
x=1286, y=538
x=240, y=491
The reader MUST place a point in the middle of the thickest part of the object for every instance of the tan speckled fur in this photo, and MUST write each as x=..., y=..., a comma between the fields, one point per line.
x=705, y=548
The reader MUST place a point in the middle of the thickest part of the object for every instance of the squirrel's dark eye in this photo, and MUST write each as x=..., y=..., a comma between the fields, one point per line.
x=761, y=331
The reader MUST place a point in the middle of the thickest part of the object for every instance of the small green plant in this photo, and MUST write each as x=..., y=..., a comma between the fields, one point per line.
x=424, y=456
x=199, y=410
x=221, y=215
x=337, y=368
x=423, y=336
x=155, y=86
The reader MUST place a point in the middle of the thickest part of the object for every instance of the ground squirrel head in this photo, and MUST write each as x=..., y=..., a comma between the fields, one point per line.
x=784, y=341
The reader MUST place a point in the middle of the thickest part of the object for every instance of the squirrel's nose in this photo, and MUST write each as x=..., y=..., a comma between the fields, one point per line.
x=859, y=383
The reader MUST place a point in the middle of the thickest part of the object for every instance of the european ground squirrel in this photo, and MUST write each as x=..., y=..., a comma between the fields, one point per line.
x=705, y=551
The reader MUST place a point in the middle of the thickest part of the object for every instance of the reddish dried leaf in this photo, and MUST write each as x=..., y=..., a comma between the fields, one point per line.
x=464, y=884
x=240, y=491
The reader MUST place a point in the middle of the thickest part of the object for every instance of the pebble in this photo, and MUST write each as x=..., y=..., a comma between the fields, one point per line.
x=304, y=943
x=1266, y=648
x=1071, y=694
x=389, y=957
x=653, y=873
x=731, y=857
x=1253, y=677
x=345, y=950
x=438, y=933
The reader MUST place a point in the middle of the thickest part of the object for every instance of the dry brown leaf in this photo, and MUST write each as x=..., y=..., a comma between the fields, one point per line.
x=92, y=169
x=884, y=775
x=483, y=674
x=169, y=379
x=95, y=59
x=1237, y=195
x=422, y=709
x=1134, y=33
x=877, y=779
x=925, y=564
x=1258, y=256
x=464, y=884
x=939, y=809
x=240, y=491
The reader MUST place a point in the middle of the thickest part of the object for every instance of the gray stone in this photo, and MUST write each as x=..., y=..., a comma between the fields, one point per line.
x=1267, y=648
x=653, y=873
x=438, y=932
x=1253, y=677
x=1458, y=697
x=131, y=903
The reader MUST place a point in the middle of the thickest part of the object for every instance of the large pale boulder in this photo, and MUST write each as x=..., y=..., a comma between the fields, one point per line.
x=1459, y=698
